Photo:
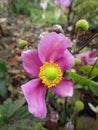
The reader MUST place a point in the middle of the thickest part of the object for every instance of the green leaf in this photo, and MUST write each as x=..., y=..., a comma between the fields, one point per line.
x=83, y=80
x=86, y=5
x=38, y=126
x=9, y=107
x=3, y=121
x=4, y=127
x=87, y=69
x=62, y=128
x=3, y=87
x=3, y=78
x=22, y=113
x=3, y=69
x=94, y=90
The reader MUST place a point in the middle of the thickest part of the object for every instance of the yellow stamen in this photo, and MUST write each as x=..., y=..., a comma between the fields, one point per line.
x=50, y=74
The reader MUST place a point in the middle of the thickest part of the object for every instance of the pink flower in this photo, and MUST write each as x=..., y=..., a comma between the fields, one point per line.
x=88, y=58
x=64, y=4
x=44, y=5
x=47, y=66
x=5, y=1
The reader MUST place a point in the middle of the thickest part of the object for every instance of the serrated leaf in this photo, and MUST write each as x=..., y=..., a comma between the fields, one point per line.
x=10, y=107
x=3, y=78
x=3, y=69
x=17, y=104
x=3, y=87
x=20, y=124
x=22, y=113
x=87, y=69
x=83, y=80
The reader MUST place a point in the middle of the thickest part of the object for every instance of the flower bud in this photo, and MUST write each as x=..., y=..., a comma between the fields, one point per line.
x=69, y=126
x=82, y=24
x=43, y=34
x=79, y=105
x=57, y=28
x=54, y=116
x=77, y=61
x=22, y=44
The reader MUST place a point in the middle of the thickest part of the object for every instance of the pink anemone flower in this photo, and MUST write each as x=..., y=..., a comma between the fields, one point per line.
x=47, y=66
x=88, y=58
x=64, y=4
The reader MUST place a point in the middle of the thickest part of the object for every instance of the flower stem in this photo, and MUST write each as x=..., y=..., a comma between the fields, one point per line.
x=92, y=67
x=77, y=37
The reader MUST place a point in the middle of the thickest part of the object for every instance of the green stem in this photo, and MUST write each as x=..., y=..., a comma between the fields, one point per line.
x=92, y=68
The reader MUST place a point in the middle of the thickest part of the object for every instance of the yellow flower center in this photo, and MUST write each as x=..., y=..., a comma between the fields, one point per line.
x=50, y=74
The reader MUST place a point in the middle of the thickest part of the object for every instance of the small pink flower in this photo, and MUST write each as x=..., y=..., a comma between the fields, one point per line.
x=5, y=1
x=64, y=4
x=88, y=58
x=44, y=5
x=47, y=66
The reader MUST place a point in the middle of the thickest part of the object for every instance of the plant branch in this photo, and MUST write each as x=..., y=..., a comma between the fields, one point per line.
x=95, y=35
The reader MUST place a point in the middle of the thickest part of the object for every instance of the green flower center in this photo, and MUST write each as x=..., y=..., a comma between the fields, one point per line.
x=51, y=73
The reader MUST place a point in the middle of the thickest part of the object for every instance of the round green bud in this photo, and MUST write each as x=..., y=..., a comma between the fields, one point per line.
x=77, y=61
x=79, y=105
x=22, y=44
x=82, y=24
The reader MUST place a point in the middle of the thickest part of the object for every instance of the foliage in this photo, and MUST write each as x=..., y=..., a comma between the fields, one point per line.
x=14, y=115
x=84, y=81
x=18, y=7
x=86, y=70
x=3, y=78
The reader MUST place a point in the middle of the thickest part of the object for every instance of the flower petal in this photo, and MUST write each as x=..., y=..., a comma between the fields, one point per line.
x=52, y=46
x=31, y=62
x=88, y=58
x=93, y=53
x=34, y=93
x=66, y=62
x=64, y=88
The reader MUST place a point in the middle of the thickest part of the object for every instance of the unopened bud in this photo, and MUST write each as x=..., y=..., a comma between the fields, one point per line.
x=79, y=105
x=82, y=24
x=43, y=34
x=69, y=126
x=77, y=61
x=54, y=116
x=57, y=28
x=22, y=44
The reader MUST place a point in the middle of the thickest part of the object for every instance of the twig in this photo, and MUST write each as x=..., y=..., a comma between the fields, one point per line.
x=95, y=35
